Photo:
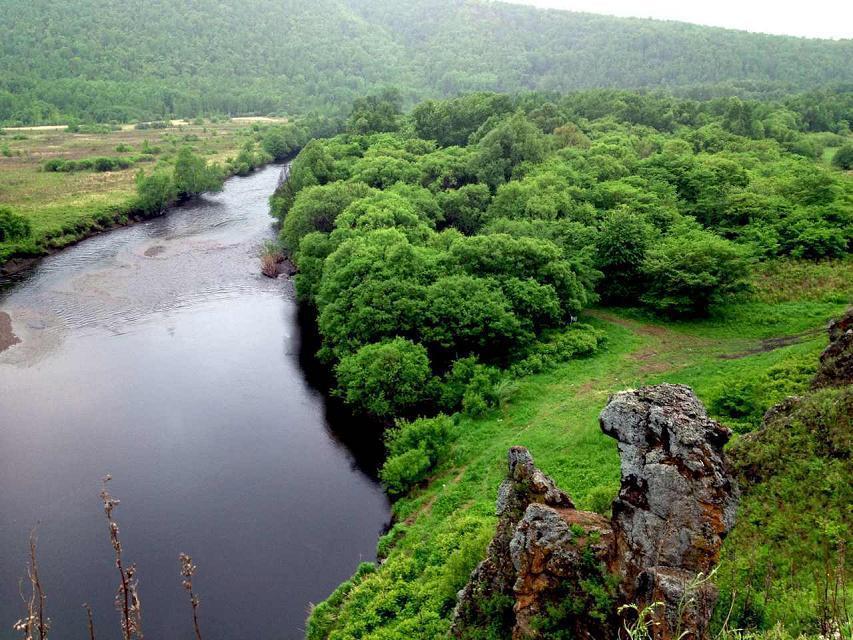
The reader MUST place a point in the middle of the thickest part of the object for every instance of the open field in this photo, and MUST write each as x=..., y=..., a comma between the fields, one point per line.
x=65, y=206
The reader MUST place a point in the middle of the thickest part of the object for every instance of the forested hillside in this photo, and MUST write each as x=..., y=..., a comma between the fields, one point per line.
x=105, y=60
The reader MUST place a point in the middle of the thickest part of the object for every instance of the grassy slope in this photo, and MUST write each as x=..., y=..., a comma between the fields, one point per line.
x=63, y=207
x=445, y=527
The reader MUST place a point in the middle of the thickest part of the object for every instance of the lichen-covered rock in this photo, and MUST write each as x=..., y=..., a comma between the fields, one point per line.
x=489, y=592
x=552, y=569
x=677, y=499
x=556, y=554
x=836, y=361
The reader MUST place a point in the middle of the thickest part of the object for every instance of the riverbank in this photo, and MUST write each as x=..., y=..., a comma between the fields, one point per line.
x=64, y=207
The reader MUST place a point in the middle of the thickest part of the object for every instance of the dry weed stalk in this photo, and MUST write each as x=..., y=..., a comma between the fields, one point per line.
x=127, y=596
x=90, y=621
x=35, y=621
x=187, y=571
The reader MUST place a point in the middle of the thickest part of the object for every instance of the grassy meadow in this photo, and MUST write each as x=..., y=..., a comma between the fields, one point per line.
x=64, y=206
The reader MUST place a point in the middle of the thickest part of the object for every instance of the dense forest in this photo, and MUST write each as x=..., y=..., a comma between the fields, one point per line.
x=101, y=60
x=449, y=252
x=461, y=239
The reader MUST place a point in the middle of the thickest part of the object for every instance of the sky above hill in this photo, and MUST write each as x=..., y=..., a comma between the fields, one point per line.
x=814, y=19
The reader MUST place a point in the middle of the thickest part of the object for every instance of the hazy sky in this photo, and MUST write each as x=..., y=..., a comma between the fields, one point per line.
x=813, y=18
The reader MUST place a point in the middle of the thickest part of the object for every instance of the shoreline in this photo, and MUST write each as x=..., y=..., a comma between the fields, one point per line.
x=17, y=264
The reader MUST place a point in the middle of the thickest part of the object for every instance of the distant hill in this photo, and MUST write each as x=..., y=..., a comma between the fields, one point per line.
x=105, y=59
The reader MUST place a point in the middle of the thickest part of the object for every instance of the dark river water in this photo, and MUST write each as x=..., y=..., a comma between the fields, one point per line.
x=159, y=355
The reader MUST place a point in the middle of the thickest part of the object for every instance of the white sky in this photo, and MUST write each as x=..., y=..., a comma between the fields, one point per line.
x=811, y=18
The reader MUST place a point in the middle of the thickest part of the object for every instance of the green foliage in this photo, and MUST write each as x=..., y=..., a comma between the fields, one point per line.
x=13, y=226
x=154, y=193
x=101, y=164
x=788, y=550
x=464, y=208
x=192, y=175
x=504, y=147
x=282, y=141
x=691, y=269
x=414, y=449
x=621, y=249
x=375, y=114
x=743, y=400
x=105, y=64
x=385, y=379
x=490, y=250
x=249, y=159
x=843, y=158
x=317, y=209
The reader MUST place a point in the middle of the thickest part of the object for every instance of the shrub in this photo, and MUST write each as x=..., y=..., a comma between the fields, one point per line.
x=385, y=379
x=600, y=499
x=843, y=158
x=13, y=226
x=401, y=472
x=193, y=176
x=482, y=392
x=154, y=193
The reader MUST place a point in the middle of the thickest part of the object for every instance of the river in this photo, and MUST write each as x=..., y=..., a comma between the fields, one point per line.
x=158, y=354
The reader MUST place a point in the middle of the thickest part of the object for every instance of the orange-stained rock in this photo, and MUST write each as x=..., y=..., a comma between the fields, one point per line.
x=552, y=568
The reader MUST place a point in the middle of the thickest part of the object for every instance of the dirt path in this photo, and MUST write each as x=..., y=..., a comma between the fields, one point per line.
x=667, y=349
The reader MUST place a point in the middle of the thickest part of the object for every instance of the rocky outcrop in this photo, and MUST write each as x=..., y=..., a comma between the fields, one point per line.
x=836, y=361
x=551, y=567
x=489, y=592
x=676, y=503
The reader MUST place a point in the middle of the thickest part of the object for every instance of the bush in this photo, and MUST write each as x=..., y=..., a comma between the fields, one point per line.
x=692, y=269
x=843, y=158
x=101, y=164
x=13, y=226
x=154, y=193
x=600, y=499
x=400, y=473
x=193, y=176
x=385, y=379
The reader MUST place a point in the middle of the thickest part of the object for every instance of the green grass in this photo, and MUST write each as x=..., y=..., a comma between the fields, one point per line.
x=443, y=528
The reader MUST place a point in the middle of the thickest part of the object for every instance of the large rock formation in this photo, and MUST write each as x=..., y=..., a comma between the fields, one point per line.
x=676, y=503
x=553, y=567
x=836, y=361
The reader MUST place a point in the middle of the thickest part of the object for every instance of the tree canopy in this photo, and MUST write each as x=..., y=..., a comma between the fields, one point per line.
x=103, y=60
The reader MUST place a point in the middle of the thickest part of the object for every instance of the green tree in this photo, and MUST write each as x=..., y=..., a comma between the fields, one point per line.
x=376, y=113
x=385, y=379
x=154, y=193
x=507, y=145
x=316, y=208
x=691, y=269
x=193, y=176
x=621, y=249
x=464, y=207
